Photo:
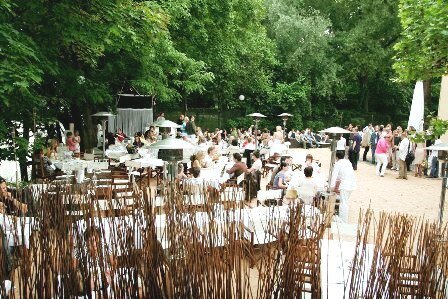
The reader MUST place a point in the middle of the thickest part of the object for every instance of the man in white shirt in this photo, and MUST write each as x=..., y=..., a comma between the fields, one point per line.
x=340, y=145
x=344, y=173
x=403, y=151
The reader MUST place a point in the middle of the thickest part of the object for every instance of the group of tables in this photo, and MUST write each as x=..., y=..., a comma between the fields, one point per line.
x=261, y=225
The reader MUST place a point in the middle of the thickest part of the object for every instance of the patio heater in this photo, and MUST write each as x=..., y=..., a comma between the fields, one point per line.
x=103, y=116
x=165, y=127
x=285, y=117
x=256, y=117
x=333, y=132
x=442, y=155
x=171, y=151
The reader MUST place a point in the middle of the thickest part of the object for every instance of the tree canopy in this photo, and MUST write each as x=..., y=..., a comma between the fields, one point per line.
x=422, y=52
x=323, y=61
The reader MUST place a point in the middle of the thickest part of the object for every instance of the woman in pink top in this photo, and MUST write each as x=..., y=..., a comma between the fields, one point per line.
x=71, y=143
x=382, y=148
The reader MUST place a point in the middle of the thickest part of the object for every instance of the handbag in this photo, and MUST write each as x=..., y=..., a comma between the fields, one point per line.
x=410, y=155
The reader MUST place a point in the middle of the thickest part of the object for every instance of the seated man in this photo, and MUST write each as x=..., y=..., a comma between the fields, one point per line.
x=48, y=167
x=238, y=168
x=11, y=205
x=306, y=187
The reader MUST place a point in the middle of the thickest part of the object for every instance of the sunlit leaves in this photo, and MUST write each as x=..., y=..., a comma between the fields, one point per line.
x=422, y=51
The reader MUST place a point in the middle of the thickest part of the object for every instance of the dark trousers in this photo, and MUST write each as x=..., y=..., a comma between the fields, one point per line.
x=355, y=159
x=434, y=168
x=373, y=154
x=366, y=150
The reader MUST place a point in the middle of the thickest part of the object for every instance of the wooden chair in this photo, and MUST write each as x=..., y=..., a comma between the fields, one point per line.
x=407, y=279
x=307, y=268
x=38, y=170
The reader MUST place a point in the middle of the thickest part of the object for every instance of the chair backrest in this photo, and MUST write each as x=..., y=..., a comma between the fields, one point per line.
x=38, y=167
x=306, y=193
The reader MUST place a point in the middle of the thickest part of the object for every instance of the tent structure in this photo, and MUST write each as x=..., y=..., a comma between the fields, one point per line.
x=134, y=113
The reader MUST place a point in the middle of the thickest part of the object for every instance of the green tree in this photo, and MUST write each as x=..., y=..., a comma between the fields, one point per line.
x=72, y=57
x=229, y=37
x=422, y=51
x=307, y=75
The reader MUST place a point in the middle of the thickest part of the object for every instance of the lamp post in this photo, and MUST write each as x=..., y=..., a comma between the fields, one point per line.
x=285, y=117
x=442, y=151
x=104, y=117
x=333, y=132
x=256, y=117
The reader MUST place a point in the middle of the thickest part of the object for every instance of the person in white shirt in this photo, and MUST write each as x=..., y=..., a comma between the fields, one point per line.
x=340, y=145
x=403, y=151
x=344, y=173
x=306, y=186
x=257, y=164
x=211, y=156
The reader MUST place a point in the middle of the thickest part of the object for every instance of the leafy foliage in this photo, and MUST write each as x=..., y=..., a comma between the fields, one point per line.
x=422, y=52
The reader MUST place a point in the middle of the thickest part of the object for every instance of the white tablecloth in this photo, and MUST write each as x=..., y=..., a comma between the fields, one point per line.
x=144, y=162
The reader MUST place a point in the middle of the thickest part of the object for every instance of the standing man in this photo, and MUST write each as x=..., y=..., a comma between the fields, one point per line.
x=356, y=148
x=396, y=149
x=365, y=143
x=344, y=174
x=382, y=147
x=403, y=151
x=373, y=141
x=433, y=158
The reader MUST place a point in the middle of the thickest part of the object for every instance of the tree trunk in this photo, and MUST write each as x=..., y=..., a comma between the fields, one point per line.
x=84, y=124
x=364, y=101
x=23, y=154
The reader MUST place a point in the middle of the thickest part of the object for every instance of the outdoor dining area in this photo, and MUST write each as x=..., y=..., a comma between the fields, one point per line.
x=122, y=224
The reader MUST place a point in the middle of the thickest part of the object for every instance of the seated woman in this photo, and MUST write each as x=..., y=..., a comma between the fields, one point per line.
x=280, y=179
x=198, y=160
x=137, y=142
x=233, y=148
x=194, y=185
x=180, y=176
x=11, y=205
x=120, y=135
x=71, y=143
x=52, y=150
